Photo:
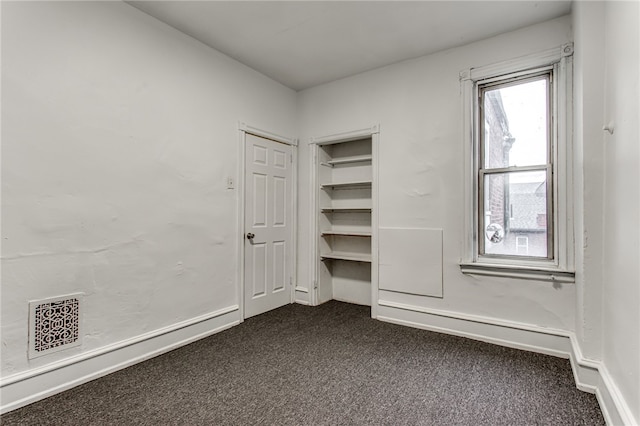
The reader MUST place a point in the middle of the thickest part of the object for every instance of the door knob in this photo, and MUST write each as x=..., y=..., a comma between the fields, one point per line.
x=250, y=236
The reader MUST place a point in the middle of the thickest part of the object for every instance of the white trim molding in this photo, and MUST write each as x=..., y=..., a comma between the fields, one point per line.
x=351, y=135
x=559, y=268
x=266, y=134
x=33, y=385
x=615, y=409
x=540, y=59
x=539, y=274
x=590, y=375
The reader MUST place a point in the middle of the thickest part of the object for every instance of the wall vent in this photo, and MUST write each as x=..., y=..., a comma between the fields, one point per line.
x=54, y=324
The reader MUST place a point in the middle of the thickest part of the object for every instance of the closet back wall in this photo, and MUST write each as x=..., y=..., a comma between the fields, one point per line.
x=118, y=133
x=418, y=106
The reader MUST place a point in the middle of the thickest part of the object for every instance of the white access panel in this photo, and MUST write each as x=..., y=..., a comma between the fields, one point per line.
x=410, y=261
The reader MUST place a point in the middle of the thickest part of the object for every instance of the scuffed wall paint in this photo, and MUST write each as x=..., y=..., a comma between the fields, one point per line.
x=418, y=106
x=118, y=133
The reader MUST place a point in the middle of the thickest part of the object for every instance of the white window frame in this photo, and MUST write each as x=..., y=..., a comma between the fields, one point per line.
x=560, y=267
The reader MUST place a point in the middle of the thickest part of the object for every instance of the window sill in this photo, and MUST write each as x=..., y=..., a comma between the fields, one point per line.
x=520, y=272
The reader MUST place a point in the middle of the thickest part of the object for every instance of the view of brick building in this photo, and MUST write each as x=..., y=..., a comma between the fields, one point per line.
x=515, y=211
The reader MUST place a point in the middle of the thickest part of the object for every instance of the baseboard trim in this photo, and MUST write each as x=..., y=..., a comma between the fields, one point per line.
x=590, y=375
x=30, y=386
x=615, y=409
x=301, y=296
x=492, y=330
x=477, y=336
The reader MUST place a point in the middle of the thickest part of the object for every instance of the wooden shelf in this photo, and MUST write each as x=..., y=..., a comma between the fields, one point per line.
x=346, y=185
x=353, y=159
x=347, y=233
x=353, y=257
x=346, y=210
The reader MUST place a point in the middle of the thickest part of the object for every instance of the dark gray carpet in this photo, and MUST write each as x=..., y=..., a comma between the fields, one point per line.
x=327, y=365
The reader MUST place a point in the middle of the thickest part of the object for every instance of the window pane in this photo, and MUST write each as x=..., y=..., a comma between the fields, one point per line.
x=515, y=125
x=514, y=214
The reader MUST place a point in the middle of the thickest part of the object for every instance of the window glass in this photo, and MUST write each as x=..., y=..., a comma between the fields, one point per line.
x=516, y=128
x=514, y=213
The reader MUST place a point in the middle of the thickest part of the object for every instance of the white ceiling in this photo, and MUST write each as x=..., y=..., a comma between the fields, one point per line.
x=305, y=43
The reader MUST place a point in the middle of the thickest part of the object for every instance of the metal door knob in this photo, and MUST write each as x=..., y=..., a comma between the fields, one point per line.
x=250, y=236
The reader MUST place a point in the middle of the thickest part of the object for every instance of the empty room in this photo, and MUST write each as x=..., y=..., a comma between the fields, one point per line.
x=320, y=212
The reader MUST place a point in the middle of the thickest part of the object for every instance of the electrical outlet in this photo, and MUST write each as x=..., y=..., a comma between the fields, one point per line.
x=230, y=183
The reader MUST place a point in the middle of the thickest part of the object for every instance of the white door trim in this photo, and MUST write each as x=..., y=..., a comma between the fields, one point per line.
x=244, y=127
x=243, y=130
x=350, y=135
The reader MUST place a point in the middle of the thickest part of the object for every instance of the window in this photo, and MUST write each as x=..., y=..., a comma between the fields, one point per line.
x=515, y=184
x=518, y=123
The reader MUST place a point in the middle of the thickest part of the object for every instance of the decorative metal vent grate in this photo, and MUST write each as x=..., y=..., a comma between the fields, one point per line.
x=54, y=324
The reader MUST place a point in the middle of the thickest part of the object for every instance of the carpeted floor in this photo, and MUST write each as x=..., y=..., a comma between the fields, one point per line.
x=327, y=365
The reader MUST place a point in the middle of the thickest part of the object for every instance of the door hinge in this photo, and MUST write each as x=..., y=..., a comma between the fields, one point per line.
x=291, y=158
x=315, y=285
x=290, y=281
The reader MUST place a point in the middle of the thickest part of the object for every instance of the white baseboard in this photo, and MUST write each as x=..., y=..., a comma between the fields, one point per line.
x=302, y=296
x=615, y=409
x=33, y=385
x=590, y=375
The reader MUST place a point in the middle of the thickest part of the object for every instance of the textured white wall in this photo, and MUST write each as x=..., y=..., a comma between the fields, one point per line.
x=418, y=106
x=118, y=133
x=621, y=296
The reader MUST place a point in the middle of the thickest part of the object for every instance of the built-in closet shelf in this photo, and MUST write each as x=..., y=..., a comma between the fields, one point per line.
x=353, y=257
x=348, y=233
x=348, y=160
x=345, y=232
x=346, y=210
x=346, y=185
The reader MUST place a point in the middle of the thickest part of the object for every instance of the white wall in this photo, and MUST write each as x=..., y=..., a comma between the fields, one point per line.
x=418, y=106
x=621, y=296
x=589, y=63
x=607, y=192
x=118, y=133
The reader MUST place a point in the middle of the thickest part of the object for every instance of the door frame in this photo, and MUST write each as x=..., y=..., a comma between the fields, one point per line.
x=243, y=130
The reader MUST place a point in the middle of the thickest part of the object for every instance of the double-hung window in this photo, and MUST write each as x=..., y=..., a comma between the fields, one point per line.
x=517, y=131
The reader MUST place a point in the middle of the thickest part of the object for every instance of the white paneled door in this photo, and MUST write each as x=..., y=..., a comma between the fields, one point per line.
x=268, y=225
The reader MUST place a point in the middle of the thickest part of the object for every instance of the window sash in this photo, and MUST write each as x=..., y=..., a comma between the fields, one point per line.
x=509, y=81
x=550, y=228
x=521, y=77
